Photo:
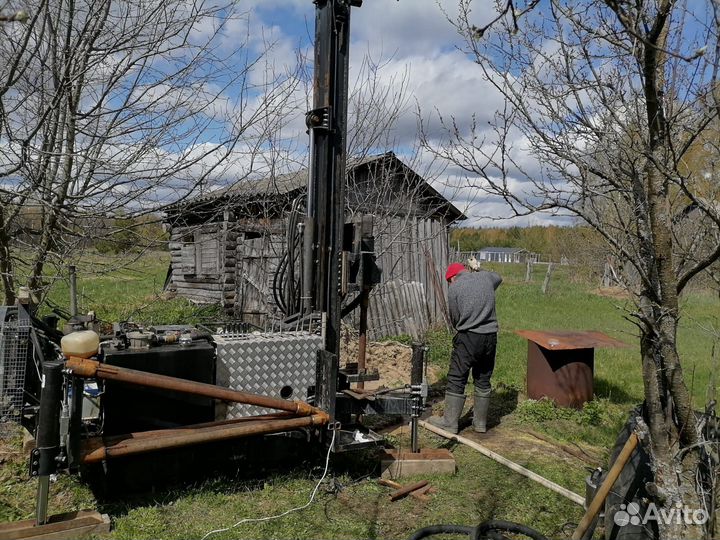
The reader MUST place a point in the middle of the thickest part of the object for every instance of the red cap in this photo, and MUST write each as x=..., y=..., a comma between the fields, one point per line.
x=453, y=270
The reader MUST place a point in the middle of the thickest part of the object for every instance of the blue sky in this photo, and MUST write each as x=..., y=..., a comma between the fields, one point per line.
x=415, y=44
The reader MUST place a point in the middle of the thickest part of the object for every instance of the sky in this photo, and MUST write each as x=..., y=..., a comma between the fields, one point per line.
x=413, y=42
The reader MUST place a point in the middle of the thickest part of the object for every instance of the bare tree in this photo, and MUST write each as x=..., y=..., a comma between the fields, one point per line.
x=604, y=102
x=111, y=108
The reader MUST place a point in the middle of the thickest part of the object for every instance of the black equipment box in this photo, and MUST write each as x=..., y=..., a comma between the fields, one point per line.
x=128, y=408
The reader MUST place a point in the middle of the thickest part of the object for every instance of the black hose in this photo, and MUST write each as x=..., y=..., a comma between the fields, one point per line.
x=442, y=529
x=277, y=288
x=488, y=528
x=284, y=286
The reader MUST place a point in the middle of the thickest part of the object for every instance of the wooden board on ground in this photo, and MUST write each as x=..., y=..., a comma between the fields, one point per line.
x=59, y=527
x=396, y=464
x=578, y=499
x=28, y=442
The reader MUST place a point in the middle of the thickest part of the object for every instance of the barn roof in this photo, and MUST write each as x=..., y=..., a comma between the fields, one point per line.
x=294, y=183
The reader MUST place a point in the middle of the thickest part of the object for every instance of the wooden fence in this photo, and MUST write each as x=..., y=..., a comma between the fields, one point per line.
x=399, y=307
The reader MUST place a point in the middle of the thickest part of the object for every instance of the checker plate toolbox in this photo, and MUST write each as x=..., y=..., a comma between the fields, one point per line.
x=277, y=364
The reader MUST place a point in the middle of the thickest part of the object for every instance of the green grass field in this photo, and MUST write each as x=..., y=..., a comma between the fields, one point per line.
x=118, y=291
x=352, y=505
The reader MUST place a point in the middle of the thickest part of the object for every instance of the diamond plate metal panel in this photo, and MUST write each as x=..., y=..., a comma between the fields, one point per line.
x=265, y=363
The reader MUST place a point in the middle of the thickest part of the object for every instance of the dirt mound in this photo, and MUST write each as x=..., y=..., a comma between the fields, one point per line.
x=392, y=359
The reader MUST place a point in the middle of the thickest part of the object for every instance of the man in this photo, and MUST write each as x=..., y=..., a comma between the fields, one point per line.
x=471, y=300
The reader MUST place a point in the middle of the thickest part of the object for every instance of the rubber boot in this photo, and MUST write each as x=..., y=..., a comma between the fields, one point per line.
x=480, y=410
x=453, y=409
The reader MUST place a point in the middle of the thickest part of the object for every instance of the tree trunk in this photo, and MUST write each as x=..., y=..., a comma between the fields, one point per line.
x=6, y=263
x=675, y=478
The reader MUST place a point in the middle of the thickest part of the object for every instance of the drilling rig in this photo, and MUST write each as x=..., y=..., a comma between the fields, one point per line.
x=102, y=398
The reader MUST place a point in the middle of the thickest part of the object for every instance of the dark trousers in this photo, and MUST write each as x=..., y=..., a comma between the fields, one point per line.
x=471, y=352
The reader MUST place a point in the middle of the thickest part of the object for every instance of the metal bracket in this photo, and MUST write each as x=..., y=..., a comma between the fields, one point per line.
x=34, y=465
x=351, y=372
x=385, y=404
x=319, y=119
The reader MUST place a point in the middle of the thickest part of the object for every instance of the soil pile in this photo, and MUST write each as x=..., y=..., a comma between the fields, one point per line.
x=392, y=359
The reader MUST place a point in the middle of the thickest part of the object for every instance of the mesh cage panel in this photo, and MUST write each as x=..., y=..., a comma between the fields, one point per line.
x=14, y=349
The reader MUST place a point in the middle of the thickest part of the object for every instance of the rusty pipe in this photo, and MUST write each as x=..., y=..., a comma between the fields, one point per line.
x=362, y=340
x=91, y=368
x=209, y=426
x=96, y=449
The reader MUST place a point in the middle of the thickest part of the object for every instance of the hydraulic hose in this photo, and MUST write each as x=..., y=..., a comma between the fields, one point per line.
x=489, y=530
x=432, y=530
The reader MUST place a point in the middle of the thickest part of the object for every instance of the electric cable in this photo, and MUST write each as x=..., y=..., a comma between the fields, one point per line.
x=269, y=518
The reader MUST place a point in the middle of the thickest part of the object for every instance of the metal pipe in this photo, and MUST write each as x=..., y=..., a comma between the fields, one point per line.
x=414, y=436
x=417, y=379
x=91, y=368
x=209, y=426
x=95, y=450
x=75, y=432
x=417, y=363
x=73, y=290
x=308, y=263
x=48, y=434
x=41, y=499
x=362, y=341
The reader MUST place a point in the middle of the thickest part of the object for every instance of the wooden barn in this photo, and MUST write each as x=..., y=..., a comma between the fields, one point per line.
x=226, y=245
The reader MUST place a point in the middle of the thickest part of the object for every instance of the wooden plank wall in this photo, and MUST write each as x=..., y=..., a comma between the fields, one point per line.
x=211, y=286
x=410, y=250
x=415, y=249
x=258, y=259
x=397, y=308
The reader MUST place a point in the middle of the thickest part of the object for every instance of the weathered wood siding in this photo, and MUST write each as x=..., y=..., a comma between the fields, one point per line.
x=203, y=263
x=233, y=263
x=415, y=249
x=397, y=308
x=258, y=259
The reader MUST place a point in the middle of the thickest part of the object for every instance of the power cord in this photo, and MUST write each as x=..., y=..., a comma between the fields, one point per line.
x=269, y=518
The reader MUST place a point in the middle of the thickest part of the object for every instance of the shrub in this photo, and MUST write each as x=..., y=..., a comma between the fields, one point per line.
x=593, y=413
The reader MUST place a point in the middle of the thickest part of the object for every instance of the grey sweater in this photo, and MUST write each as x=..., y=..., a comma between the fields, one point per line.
x=471, y=300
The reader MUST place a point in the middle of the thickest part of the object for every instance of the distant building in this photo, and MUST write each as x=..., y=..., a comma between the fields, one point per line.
x=506, y=255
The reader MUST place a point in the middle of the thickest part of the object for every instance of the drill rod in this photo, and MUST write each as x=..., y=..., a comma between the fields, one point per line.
x=98, y=449
x=91, y=368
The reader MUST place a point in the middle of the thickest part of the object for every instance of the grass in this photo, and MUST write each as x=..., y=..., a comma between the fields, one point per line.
x=133, y=290
x=351, y=504
x=349, y=507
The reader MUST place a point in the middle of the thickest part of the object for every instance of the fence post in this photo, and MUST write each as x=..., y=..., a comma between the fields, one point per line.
x=546, y=283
